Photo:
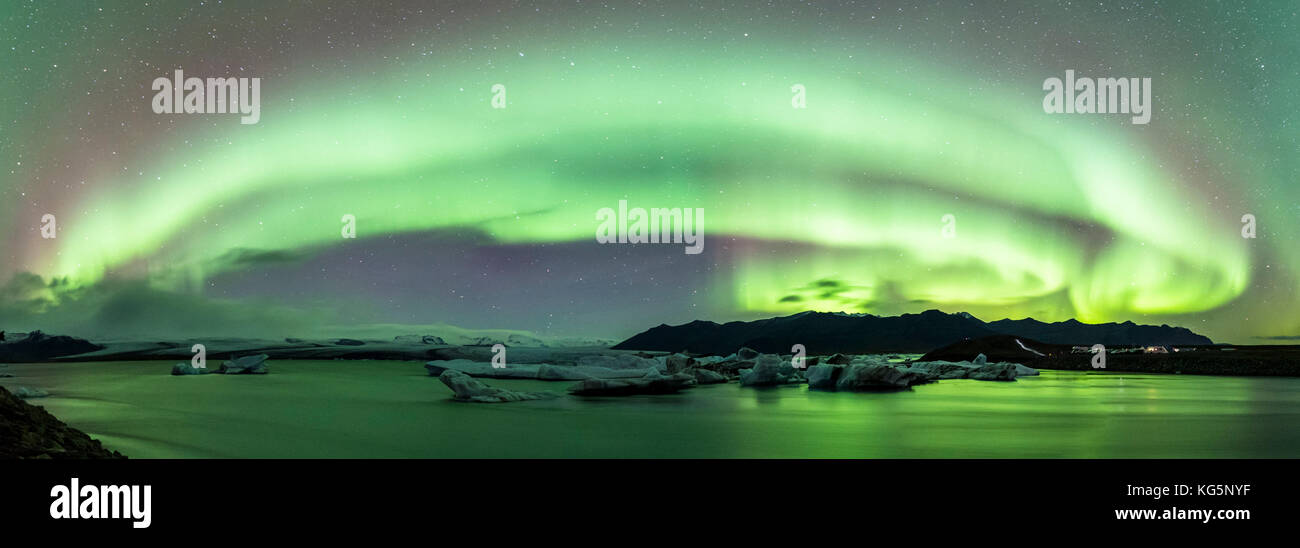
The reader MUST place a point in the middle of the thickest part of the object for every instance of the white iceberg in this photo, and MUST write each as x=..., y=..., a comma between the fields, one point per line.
x=469, y=389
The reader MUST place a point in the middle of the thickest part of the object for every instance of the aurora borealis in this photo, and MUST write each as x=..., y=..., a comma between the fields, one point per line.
x=481, y=217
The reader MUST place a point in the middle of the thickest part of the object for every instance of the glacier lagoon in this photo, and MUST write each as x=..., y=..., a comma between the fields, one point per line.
x=393, y=409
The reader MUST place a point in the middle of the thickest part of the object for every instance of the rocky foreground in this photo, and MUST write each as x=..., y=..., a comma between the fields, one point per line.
x=29, y=432
x=629, y=374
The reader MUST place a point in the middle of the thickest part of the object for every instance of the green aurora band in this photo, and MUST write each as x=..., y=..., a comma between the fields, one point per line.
x=1056, y=216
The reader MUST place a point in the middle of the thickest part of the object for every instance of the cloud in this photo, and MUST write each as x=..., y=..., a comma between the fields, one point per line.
x=241, y=257
x=115, y=309
x=25, y=292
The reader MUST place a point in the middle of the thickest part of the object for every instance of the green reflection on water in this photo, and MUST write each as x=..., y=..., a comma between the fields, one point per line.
x=392, y=409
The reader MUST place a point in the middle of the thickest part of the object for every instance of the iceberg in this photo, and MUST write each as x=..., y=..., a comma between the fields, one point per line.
x=186, y=368
x=653, y=382
x=871, y=372
x=546, y=372
x=618, y=361
x=247, y=365
x=769, y=370
x=879, y=376
x=469, y=389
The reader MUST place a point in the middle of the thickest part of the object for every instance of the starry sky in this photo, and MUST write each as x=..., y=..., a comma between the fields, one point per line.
x=479, y=217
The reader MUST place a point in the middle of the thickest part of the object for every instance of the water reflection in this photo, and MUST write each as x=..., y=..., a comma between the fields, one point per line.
x=389, y=409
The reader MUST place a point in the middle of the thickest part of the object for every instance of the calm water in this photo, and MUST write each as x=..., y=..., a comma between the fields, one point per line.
x=393, y=409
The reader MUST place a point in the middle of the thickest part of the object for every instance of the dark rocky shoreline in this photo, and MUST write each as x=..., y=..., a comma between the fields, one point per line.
x=30, y=432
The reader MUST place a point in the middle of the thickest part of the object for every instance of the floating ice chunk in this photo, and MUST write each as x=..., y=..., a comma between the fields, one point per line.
x=546, y=372
x=707, y=376
x=469, y=389
x=823, y=376
x=1024, y=370
x=483, y=369
x=879, y=376
x=769, y=370
x=618, y=361
x=1000, y=371
x=653, y=382
x=186, y=368
x=247, y=365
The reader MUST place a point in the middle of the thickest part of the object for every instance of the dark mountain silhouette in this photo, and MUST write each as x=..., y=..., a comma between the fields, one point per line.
x=999, y=348
x=831, y=332
x=38, y=347
x=1075, y=332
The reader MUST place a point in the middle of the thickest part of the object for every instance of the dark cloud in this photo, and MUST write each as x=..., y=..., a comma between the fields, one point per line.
x=133, y=309
x=242, y=257
x=24, y=292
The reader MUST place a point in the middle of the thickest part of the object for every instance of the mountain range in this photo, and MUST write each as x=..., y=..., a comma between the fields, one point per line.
x=832, y=332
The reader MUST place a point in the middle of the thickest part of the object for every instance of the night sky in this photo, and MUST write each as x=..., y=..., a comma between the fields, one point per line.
x=467, y=215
